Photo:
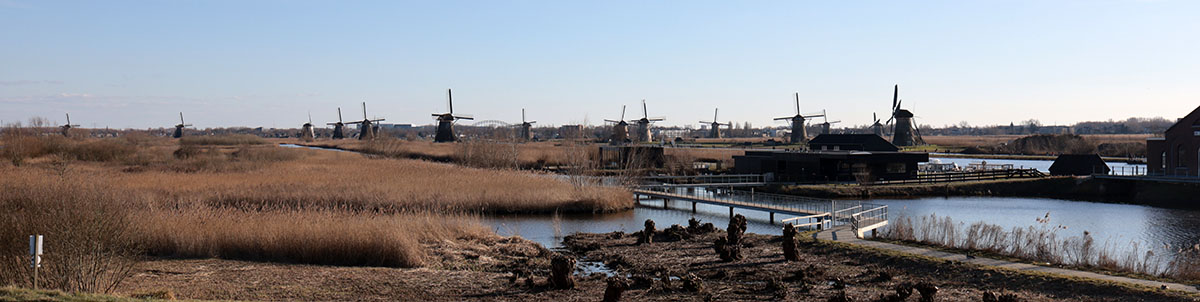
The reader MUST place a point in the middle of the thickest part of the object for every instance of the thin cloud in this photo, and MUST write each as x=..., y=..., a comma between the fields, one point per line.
x=30, y=82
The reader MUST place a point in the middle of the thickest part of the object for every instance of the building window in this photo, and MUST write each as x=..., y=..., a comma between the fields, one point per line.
x=896, y=168
x=1164, y=161
x=1179, y=157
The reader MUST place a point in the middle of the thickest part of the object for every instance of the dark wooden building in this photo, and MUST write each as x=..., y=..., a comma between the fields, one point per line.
x=855, y=142
x=830, y=166
x=1078, y=165
x=1177, y=153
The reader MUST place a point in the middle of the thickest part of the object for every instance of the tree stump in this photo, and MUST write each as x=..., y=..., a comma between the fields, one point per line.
x=789, y=243
x=730, y=247
x=927, y=290
x=616, y=286
x=560, y=272
x=647, y=234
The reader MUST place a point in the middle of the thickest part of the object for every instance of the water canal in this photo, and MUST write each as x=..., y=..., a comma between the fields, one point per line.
x=1119, y=227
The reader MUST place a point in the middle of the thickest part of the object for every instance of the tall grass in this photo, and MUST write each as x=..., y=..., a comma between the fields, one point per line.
x=267, y=203
x=222, y=140
x=301, y=236
x=1043, y=243
x=89, y=244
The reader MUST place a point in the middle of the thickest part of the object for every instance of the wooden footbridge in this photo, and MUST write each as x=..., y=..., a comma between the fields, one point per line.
x=809, y=212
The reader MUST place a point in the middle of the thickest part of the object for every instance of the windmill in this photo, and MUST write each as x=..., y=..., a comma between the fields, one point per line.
x=339, y=128
x=306, y=131
x=366, y=126
x=877, y=127
x=903, y=133
x=526, y=127
x=715, y=131
x=799, y=134
x=620, y=132
x=66, y=129
x=825, y=126
x=643, y=133
x=445, y=128
x=179, y=128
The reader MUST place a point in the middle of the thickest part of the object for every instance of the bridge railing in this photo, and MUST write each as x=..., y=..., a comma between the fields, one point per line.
x=795, y=203
x=939, y=177
x=822, y=221
x=874, y=214
x=704, y=179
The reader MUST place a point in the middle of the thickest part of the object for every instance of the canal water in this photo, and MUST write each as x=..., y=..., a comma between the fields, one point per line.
x=1119, y=227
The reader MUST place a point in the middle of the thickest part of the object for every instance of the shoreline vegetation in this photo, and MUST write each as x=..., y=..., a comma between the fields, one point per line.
x=1048, y=244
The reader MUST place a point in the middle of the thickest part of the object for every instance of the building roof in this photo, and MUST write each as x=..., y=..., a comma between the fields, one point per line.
x=1193, y=119
x=1078, y=164
x=864, y=142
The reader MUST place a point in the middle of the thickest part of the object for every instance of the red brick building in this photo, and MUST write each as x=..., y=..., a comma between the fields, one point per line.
x=1177, y=153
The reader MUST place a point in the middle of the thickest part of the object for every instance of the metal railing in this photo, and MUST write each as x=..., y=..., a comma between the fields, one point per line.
x=794, y=203
x=872, y=216
x=823, y=221
x=938, y=177
x=704, y=179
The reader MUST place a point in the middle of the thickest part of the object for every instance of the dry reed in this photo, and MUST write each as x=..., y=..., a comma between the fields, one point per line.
x=1042, y=243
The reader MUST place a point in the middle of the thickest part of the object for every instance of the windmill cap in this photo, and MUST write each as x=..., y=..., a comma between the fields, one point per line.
x=903, y=113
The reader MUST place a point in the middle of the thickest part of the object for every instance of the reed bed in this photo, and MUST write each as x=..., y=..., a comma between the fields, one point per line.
x=302, y=236
x=259, y=203
x=1043, y=243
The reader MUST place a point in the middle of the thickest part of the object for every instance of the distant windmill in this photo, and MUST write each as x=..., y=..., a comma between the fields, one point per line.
x=620, y=132
x=66, y=129
x=445, y=128
x=306, y=131
x=715, y=126
x=643, y=131
x=366, y=126
x=799, y=134
x=526, y=127
x=339, y=128
x=825, y=126
x=904, y=133
x=179, y=128
x=877, y=127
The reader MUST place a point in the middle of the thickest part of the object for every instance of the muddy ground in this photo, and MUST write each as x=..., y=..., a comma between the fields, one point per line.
x=514, y=269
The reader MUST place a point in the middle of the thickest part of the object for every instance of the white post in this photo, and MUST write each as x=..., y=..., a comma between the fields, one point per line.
x=35, y=253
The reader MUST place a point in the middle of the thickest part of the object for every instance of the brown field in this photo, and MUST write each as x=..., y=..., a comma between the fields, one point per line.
x=524, y=155
x=135, y=197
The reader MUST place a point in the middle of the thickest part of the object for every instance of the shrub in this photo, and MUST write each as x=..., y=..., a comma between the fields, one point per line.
x=88, y=244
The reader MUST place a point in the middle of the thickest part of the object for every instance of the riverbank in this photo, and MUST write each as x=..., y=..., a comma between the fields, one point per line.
x=1157, y=194
x=825, y=271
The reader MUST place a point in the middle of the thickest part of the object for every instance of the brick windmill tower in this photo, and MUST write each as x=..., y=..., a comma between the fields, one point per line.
x=620, y=131
x=306, y=131
x=339, y=128
x=66, y=129
x=643, y=129
x=180, y=126
x=714, y=130
x=799, y=134
x=445, y=128
x=366, y=126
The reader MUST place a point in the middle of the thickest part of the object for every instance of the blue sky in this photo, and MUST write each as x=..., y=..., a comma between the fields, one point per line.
x=268, y=63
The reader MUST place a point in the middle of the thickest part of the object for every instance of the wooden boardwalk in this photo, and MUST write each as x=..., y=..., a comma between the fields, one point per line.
x=735, y=204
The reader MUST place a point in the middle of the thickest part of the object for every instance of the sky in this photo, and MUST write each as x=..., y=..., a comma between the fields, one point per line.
x=137, y=64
